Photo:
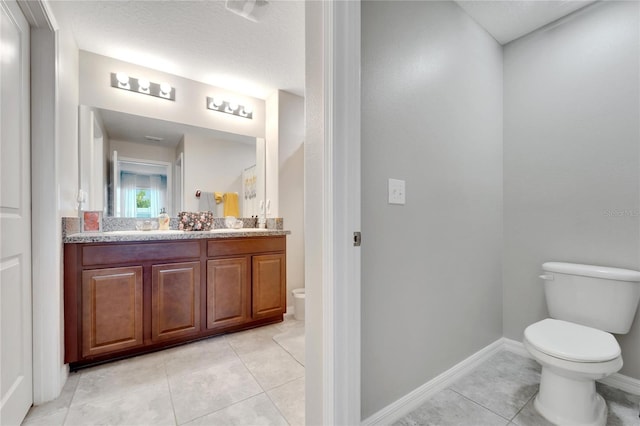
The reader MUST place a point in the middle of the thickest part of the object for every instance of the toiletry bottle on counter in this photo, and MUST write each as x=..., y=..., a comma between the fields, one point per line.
x=163, y=220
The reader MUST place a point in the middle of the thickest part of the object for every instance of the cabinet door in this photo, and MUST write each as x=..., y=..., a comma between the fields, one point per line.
x=227, y=292
x=269, y=285
x=175, y=300
x=111, y=310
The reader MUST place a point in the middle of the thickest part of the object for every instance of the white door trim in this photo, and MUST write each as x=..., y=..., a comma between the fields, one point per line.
x=49, y=370
x=341, y=259
x=329, y=314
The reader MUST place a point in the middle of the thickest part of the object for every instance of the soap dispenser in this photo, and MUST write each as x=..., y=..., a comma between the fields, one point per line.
x=163, y=220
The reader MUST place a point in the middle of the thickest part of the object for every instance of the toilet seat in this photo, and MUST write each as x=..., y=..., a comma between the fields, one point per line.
x=572, y=342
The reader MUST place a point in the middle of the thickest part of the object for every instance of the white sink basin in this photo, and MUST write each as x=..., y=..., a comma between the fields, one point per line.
x=152, y=232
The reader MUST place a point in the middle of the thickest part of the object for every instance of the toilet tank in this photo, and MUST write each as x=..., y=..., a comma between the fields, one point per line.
x=596, y=296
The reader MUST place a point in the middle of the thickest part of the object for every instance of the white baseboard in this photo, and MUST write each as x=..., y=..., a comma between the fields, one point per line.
x=290, y=312
x=515, y=347
x=419, y=396
x=624, y=383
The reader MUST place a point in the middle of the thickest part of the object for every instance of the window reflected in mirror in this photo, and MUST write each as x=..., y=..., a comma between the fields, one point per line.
x=143, y=191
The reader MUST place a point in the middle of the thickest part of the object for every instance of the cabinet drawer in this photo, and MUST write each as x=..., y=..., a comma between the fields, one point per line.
x=112, y=254
x=245, y=246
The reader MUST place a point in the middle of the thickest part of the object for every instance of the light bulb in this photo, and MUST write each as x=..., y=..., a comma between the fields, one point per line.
x=247, y=109
x=165, y=89
x=217, y=102
x=143, y=85
x=233, y=105
x=123, y=78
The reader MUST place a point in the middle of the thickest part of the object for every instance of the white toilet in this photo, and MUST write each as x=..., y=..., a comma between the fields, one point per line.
x=574, y=346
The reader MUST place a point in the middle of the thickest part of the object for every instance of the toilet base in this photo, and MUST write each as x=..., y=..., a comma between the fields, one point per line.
x=569, y=401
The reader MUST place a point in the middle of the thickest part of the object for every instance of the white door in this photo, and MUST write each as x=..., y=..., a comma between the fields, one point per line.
x=16, y=388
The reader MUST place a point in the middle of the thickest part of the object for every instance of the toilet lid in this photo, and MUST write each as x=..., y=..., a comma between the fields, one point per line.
x=572, y=342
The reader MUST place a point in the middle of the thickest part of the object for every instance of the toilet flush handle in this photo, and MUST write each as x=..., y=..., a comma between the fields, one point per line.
x=547, y=277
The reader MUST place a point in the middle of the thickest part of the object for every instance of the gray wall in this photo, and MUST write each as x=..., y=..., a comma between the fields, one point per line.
x=431, y=269
x=571, y=156
x=314, y=205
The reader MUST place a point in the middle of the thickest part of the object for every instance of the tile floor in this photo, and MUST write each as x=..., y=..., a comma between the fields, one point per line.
x=501, y=392
x=255, y=377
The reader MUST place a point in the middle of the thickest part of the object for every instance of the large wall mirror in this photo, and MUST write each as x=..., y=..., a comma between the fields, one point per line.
x=135, y=166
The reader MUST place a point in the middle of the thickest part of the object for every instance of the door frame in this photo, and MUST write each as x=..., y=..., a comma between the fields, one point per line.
x=339, y=202
x=332, y=214
x=49, y=371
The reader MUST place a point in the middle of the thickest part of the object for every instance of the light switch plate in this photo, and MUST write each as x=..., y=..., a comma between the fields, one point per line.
x=396, y=191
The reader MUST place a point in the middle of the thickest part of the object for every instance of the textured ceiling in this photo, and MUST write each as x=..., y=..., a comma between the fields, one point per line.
x=510, y=19
x=203, y=41
x=199, y=40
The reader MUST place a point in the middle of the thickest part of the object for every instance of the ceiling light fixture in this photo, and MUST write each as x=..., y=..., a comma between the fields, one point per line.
x=121, y=80
x=153, y=138
x=229, y=107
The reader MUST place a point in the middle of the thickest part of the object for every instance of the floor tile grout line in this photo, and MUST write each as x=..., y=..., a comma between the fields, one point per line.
x=479, y=404
x=232, y=404
x=256, y=379
x=266, y=392
x=45, y=414
x=73, y=395
x=75, y=390
x=245, y=366
x=220, y=409
x=173, y=406
x=278, y=408
x=290, y=381
x=94, y=399
x=287, y=382
x=165, y=378
x=520, y=410
x=285, y=349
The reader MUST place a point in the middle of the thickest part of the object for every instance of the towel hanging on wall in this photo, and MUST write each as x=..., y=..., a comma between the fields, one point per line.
x=231, y=204
x=206, y=202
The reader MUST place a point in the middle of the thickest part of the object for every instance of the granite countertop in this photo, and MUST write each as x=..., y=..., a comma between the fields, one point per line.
x=121, y=236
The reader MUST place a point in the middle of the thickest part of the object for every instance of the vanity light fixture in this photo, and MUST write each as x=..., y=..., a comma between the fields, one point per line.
x=121, y=80
x=229, y=107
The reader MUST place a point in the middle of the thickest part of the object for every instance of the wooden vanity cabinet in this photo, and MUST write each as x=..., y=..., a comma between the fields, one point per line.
x=269, y=285
x=127, y=298
x=111, y=310
x=228, y=292
x=175, y=300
